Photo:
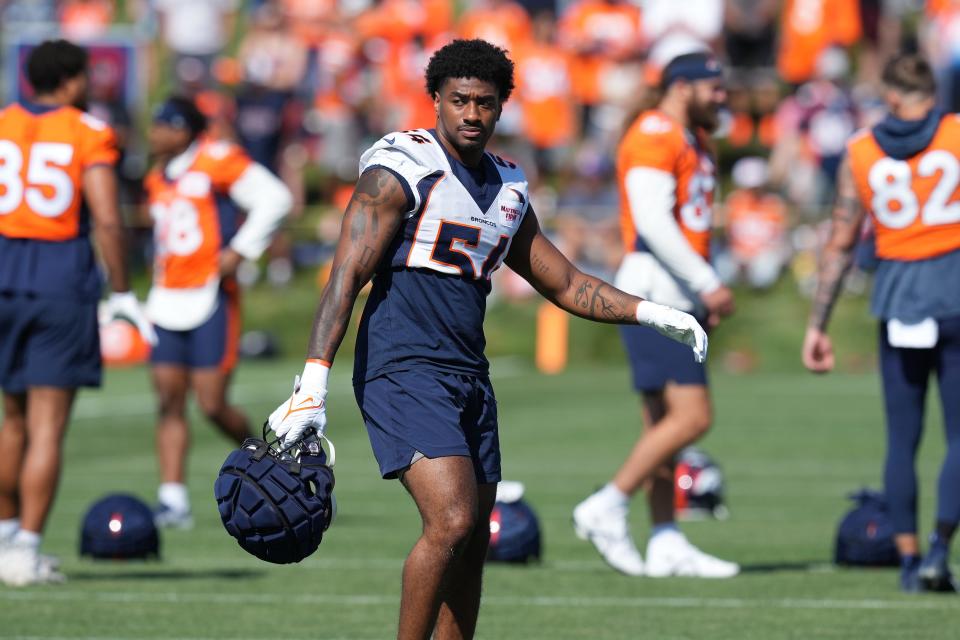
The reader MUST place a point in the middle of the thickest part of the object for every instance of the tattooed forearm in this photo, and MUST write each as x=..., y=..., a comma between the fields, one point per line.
x=833, y=267
x=611, y=305
x=583, y=292
x=837, y=255
x=369, y=224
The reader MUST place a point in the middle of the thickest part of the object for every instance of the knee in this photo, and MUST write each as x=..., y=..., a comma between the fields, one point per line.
x=695, y=423
x=212, y=408
x=172, y=406
x=453, y=529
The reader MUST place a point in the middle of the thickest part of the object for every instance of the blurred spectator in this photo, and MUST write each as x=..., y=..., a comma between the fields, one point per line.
x=195, y=32
x=752, y=99
x=601, y=34
x=544, y=93
x=85, y=19
x=26, y=13
x=812, y=127
x=756, y=226
x=502, y=22
x=943, y=49
x=749, y=32
x=810, y=27
x=701, y=20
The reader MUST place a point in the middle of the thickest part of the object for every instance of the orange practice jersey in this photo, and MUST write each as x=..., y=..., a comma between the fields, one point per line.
x=615, y=29
x=189, y=228
x=808, y=27
x=42, y=159
x=506, y=26
x=755, y=223
x=915, y=203
x=543, y=90
x=655, y=141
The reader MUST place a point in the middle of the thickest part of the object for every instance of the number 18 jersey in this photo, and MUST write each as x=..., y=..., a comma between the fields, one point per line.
x=429, y=292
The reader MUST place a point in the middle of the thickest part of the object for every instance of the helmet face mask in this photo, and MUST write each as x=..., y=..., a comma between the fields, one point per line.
x=276, y=503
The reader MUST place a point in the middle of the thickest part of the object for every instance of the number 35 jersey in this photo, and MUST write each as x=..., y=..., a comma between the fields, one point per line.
x=44, y=151
x=428, y=300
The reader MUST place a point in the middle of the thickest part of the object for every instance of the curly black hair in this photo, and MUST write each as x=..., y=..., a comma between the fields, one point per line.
x=471, y=59
x=52, y=63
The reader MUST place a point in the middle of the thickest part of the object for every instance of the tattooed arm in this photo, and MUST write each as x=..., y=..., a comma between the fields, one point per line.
x=369, y=224
x=541, y=264
x=835, y=261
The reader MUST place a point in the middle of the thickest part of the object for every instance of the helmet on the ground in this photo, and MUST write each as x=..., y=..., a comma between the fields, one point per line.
x=865, y=534
x=277, y=504
x=514, y=528
x=698, y=486
x=119, y=527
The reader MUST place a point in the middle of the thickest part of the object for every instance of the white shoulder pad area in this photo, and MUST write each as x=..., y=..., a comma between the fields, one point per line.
x=413, y=155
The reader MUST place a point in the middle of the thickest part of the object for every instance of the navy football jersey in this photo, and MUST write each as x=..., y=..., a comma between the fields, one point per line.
x=429, y=293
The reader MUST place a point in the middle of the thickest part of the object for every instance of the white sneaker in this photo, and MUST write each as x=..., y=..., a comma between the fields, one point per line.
x=607, y=529
x=51, y=562
x=166, y=517
x=21, y=566
x=671, y=554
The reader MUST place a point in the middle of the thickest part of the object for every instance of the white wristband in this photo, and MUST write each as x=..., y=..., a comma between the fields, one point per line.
x=314, y=376
x=650, y=313
x=122, y=296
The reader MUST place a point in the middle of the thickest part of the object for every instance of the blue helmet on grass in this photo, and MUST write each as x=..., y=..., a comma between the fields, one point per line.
x=514, y=528
x=277, y=504
x=119, y=527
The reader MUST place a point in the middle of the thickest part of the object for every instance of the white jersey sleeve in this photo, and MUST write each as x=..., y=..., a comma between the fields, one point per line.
x=407, y=155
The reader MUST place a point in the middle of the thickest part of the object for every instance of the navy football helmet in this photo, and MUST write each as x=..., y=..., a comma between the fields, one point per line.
x=514, y=527
x=277, y=502
x=699, y=486
x=119, y=527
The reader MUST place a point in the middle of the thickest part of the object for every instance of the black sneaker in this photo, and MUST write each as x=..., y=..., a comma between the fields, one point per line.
x=934, y=571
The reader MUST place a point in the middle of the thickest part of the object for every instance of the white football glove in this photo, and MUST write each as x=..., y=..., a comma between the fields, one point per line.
x=676, y=325
x=306, y=407
x=125, y=305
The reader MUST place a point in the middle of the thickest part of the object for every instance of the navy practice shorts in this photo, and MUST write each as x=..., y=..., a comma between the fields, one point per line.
x=656, y=360
x=48, y=342
x=214, y=344
x=433, y=413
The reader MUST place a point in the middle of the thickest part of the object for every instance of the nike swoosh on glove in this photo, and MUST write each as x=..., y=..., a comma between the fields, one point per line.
x=674, y=324
x=305, y=409
x=125, y=305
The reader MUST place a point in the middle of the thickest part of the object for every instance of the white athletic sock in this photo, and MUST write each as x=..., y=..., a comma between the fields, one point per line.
x=8, y=528
x=23, y=538
x=174, y=495
x=664, y=527
x=611, y=497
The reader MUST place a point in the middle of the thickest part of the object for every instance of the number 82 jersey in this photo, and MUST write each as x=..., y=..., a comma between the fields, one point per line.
x=915, y=202
x=429, y=295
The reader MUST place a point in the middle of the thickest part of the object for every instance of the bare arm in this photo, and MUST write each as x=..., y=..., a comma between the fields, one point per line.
x=837, y=255
x=541, y=264
x=100, y=192
x=369, y=225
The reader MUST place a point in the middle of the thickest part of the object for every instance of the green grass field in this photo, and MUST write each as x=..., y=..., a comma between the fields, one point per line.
x=791, y=445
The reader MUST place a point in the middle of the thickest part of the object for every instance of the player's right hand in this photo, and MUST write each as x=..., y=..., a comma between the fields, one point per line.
x=818, y=351
x=305, y=409
x=719, y=302
x=674, y=324
x=125, y=305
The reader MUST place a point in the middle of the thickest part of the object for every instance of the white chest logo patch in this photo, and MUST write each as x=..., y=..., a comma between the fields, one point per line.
x=511, y=207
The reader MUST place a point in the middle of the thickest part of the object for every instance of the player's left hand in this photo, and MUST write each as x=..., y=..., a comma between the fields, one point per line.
x=305, y=409
x=676, y=325
x=229, y=262
x=125, y=305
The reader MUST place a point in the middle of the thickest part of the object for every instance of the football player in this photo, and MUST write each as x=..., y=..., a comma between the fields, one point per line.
x=57, y=182
x=667, y=177
x=905, y=173
x=193, y=192
x=433, y=215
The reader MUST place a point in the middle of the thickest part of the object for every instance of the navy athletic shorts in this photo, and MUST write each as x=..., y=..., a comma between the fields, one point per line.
x=430, y=413
x=48, y=342
x=214, y=344
x=656, y=360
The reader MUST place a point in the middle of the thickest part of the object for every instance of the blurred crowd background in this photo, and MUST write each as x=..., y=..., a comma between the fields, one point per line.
x=306, y=85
